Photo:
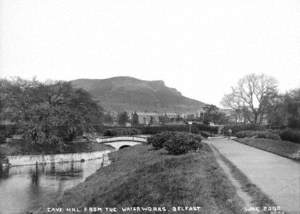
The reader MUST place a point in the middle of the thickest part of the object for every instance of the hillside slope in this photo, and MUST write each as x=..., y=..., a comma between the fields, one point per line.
x=131, y=94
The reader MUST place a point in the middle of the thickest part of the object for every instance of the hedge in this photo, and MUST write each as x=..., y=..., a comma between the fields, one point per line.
x=243, y=127
x=257, y=134
x=195, y=129
x=121, y=132
x=290, y=135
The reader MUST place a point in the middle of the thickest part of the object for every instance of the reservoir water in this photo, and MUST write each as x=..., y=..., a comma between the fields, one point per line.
x=26, y=187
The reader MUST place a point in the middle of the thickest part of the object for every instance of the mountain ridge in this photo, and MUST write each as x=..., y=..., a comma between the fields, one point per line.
x=125, y=93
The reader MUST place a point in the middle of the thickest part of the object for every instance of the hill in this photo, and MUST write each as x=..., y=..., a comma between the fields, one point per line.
x=131, y=94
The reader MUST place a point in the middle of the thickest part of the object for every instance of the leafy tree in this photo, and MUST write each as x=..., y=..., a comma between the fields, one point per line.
x=135, y=119
x=292, y=103
x=52, y=114
x=277, y=112
x=123, y=118
x=213, y=114
x=253, y=96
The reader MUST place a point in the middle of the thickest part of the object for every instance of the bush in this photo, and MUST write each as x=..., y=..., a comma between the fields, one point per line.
x=290, y=135
x=158, y=140
x=121, y=132
x=176, y=142
x=294, y=123
x=257, y=134
x=110, y=133
x=181, y=143
x=7, y=131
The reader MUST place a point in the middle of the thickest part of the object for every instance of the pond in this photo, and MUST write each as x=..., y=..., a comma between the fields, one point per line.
x=26, y=187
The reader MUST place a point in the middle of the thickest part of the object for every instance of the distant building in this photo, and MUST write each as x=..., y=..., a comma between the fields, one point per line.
x=147, y=118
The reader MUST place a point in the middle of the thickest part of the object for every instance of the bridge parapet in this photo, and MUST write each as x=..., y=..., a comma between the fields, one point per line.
x=122, y=138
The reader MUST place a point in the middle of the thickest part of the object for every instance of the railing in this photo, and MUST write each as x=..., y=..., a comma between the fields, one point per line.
x=122, y=138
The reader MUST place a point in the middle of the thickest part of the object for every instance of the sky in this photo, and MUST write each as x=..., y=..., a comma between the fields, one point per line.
x=199, y=47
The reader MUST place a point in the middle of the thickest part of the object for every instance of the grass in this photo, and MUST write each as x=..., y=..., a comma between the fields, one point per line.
x=142, y=177
x=283, y=148
x=259, y=198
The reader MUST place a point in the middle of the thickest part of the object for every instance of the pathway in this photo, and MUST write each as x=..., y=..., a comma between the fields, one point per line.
x=276, y=176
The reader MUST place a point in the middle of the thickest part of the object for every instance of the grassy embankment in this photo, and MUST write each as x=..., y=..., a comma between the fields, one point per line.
x=143, y=177
x=279, y=147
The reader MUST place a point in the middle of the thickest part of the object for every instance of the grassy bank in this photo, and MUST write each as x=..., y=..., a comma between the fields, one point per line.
x=279, y=147
x=143, y=177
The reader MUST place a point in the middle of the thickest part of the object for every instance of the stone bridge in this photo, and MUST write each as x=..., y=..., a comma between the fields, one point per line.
x=122, y=142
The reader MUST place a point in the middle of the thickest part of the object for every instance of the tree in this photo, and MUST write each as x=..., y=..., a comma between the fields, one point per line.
x=277, y=113
x=135, y=119
x=292, y=104
x=253, y=96
x=52, y=114
x=123, y=118
x=107, y=118
x=212, y=114
x=151, y=121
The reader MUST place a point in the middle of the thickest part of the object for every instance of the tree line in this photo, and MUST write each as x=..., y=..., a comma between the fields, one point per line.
x=256, y=100
x=50, y=113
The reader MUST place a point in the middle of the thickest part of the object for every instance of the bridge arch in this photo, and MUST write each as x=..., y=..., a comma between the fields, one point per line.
x=124, y=146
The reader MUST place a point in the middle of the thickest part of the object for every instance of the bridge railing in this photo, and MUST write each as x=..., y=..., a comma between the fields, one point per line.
x=122, y=138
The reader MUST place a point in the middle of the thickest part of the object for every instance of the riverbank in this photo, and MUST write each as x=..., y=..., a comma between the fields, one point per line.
x=19, y=148
x=283, y=148
x=23, y=160
x=16, y=154
x=23, y=188
x=142, y=177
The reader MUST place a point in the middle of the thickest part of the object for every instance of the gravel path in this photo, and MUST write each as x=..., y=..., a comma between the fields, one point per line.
x=278, y=177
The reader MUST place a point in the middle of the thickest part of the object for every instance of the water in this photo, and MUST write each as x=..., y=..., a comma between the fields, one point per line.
x=26, y=187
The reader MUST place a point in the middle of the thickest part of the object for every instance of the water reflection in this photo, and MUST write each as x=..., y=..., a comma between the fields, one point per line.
x=22, y=188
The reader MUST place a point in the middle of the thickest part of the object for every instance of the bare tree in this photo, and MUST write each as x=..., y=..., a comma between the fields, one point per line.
x=253, y=96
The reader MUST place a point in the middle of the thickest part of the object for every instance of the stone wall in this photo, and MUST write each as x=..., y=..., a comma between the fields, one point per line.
x=21, y=160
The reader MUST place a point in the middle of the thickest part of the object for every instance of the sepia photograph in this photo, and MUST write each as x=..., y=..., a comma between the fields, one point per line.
x=149, y=107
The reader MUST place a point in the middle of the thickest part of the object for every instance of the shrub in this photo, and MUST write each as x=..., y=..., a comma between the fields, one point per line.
x=181, y=143
x=290, y=135
x=110, y=133
x=7, y=131
x=257, y=134
x=176, y=142
x=158, y=140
